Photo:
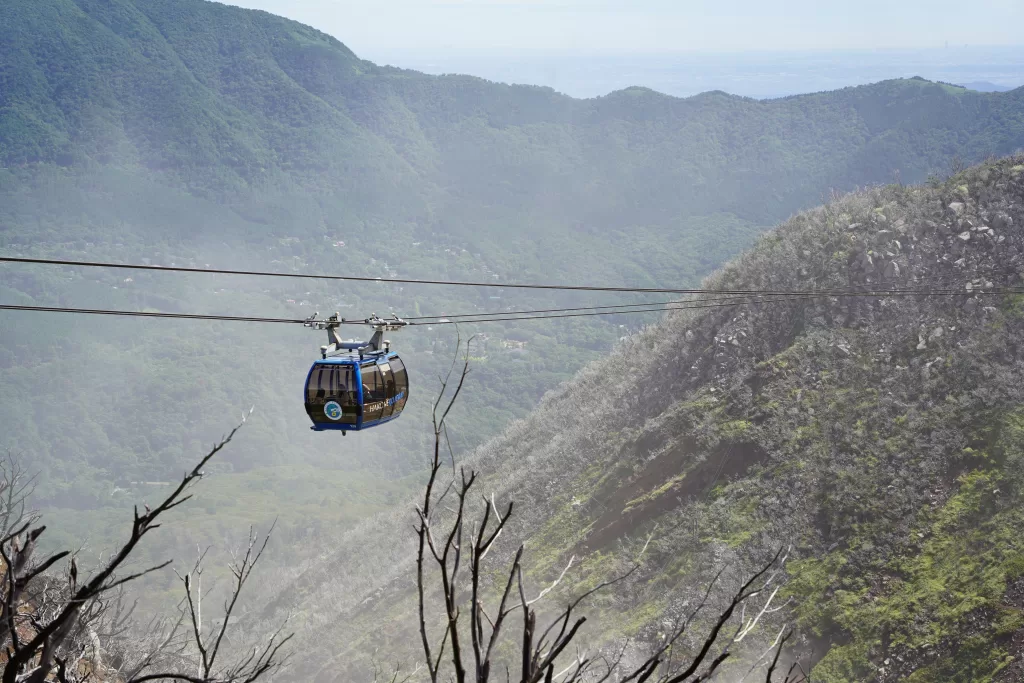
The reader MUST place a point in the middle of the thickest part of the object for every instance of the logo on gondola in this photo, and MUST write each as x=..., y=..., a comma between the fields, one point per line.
x=332, y=410
x=387, y=403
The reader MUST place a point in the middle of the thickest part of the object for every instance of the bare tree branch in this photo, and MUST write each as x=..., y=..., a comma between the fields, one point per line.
x=48, y=634
x=541, y=649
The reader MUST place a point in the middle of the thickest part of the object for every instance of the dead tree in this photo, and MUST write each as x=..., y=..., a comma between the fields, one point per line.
x=49, y=625
x=16, y=487
x=457, y=551
x=209, y=648
x=127, y=649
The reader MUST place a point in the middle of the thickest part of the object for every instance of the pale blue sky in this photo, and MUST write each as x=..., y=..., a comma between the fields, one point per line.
x=374, y=28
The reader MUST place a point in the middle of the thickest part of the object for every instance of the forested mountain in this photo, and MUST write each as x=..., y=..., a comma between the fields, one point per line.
x=189, y=132
x=878, y=436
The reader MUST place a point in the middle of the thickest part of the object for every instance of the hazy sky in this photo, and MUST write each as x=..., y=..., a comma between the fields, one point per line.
x=375, y=28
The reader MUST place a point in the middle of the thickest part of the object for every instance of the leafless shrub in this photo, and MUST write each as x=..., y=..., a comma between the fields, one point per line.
x=16, y=487
x=458, y=551
x=53, y=627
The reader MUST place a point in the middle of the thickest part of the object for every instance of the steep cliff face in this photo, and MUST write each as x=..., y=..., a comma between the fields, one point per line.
x=879, y=435
x=882, y=436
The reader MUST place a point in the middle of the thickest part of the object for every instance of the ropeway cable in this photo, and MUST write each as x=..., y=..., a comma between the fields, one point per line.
x=154, y=314
x=876, y=291
x=729, y=301
x=293, y=321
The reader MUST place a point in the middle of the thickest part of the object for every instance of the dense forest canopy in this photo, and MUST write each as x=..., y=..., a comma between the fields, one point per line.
x=190, y=132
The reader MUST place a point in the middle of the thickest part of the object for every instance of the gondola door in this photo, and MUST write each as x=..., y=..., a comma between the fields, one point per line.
x=401, y=385
x=389, y=390
x=373, y=393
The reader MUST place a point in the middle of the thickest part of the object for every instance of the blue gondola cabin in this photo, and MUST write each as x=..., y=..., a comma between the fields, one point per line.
x=347, y=393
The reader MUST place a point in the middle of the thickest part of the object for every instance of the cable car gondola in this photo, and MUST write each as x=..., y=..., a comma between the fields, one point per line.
x=355, y=385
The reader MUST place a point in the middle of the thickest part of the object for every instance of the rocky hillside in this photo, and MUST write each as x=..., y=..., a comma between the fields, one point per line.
x=881, y=436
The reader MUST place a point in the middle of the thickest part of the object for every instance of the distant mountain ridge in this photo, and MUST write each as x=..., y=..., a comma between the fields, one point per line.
x=985, y=86
x=221, y=98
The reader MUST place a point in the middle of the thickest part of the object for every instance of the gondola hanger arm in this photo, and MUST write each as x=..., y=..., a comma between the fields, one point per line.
x=337, y=346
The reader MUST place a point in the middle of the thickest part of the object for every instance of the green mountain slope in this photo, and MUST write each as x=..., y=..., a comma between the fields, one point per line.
x=184, y=131
x=880, y=436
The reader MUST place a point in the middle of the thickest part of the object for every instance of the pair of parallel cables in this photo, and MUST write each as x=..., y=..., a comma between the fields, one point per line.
x=713, y=298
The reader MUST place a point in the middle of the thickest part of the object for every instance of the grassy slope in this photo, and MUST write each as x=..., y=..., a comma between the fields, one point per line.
x=896, y=472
